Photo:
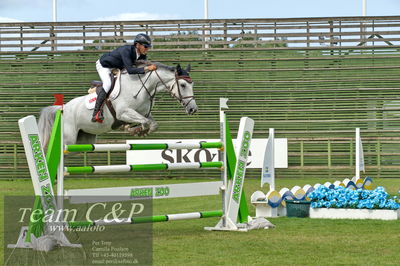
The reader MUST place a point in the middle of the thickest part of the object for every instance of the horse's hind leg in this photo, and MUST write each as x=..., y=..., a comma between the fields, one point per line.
x=70, y=135
x=85, y=138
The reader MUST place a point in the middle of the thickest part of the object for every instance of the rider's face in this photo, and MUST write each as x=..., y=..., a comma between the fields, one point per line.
x=142, y=50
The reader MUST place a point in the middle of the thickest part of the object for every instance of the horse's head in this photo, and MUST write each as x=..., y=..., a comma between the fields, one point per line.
x=175, y=80
x=182, y=89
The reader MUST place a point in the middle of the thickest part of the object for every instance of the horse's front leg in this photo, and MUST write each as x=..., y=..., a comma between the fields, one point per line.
x=153, y=126
x=132, y=117
x=143, y=129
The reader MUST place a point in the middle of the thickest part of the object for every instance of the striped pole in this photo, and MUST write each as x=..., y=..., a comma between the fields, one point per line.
x=139, y=167
x=148, y=219
x=129, y=147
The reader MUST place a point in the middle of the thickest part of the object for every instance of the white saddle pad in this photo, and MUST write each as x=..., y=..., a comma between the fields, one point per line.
x=90, y=99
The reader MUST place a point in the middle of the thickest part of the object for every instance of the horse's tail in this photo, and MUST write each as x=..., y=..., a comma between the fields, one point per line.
x=45, y=124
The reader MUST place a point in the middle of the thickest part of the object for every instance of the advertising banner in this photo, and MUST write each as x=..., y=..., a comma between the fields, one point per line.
x=256, y=156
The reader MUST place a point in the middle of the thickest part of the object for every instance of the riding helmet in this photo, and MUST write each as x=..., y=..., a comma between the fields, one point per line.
x=143, y=39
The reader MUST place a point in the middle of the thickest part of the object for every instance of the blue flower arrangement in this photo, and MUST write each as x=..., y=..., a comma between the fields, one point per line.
x=340, y=197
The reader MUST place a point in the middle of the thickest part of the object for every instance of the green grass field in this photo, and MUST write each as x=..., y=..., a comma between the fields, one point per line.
x=300, y=241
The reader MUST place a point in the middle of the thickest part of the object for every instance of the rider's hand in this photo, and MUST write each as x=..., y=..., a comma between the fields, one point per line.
x=150, y=67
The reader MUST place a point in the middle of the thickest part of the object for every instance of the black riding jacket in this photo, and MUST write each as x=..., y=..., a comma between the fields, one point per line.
x=123, y=57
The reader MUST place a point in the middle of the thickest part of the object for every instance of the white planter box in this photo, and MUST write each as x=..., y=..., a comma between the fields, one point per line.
x=332, y=213
x=263, y=209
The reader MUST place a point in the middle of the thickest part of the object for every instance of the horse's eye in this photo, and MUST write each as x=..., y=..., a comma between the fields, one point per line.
x=183, y=86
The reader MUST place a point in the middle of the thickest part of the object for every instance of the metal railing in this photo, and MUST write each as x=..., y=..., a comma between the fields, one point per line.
x=213, y=33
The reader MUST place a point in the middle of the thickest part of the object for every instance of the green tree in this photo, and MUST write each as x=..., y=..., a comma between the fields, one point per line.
x=98, y=47
x=247, y=37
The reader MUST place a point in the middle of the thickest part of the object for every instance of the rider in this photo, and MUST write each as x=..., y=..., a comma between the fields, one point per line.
x=122, y=57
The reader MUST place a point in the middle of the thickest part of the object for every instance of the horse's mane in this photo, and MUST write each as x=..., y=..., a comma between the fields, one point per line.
x=143, y=63
x=178, y=69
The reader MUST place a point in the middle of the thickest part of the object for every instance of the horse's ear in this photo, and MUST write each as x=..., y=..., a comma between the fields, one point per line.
x=179, y=69
x=188, y=67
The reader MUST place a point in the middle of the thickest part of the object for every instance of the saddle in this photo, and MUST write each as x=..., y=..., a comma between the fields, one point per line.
x=96, y=86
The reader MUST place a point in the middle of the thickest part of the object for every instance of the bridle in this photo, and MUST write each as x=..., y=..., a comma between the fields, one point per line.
x=170, y=89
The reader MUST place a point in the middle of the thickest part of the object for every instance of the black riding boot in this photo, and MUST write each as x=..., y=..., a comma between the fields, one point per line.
x=97, y=113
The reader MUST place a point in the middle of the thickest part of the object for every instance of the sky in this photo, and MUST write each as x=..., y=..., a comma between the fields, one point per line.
x=97, y=10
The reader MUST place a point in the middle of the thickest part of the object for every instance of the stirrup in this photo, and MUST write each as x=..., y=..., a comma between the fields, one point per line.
x=99, y=118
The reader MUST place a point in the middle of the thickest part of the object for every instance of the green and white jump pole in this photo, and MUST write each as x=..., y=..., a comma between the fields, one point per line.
x=139, y=167
x=148, y=219
x=131, y=147
x=234, y=208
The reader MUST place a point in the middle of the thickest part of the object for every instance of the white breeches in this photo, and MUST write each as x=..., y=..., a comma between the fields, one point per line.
x=104, y=74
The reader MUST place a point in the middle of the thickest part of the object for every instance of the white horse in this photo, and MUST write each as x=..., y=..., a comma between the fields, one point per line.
x=132, y=106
